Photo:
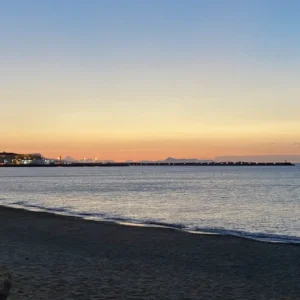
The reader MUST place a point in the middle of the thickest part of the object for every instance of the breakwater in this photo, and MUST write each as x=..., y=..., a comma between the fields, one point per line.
x=196, y=164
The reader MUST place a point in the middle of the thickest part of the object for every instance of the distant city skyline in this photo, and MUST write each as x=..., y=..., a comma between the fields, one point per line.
x=134, y=79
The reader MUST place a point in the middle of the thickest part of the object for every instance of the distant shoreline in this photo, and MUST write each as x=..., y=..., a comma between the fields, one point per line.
x=210, y=164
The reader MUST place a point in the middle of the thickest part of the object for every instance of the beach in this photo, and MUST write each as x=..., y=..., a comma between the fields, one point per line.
x=57, y=257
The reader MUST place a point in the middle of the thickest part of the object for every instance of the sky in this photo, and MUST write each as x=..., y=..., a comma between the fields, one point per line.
x=140, y=79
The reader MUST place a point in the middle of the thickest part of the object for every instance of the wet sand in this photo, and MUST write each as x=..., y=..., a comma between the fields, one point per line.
x=57, y=257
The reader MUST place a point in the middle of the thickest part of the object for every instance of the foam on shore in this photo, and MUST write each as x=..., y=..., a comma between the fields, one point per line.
x=257, y=236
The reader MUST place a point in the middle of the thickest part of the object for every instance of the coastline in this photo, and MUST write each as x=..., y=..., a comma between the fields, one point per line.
x=152, y=164
x=255, y=236
x=63, y=257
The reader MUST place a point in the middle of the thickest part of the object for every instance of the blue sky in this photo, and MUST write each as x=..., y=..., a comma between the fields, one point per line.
x=260, y=30
x=175, y=69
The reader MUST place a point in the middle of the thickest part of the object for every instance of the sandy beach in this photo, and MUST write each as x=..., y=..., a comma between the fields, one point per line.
x=57, y=257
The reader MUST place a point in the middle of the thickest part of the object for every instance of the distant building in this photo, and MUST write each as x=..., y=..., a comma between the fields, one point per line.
x=7, y=157
x=21, y=159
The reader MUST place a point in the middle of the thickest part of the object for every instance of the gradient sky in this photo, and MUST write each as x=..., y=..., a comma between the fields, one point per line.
x=147, y=79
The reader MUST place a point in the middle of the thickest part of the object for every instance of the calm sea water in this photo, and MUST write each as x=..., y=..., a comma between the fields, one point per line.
x=256, y=202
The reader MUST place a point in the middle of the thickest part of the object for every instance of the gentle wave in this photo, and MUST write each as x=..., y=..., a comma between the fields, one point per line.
x=67, y=211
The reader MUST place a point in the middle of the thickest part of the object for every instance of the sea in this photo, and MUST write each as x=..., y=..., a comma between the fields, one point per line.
x=254, y=202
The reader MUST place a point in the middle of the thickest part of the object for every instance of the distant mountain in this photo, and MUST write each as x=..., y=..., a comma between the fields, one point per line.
x=186, y=160
x=85, y=160
x=177, y=160
x=260, y=158
x=70, y=159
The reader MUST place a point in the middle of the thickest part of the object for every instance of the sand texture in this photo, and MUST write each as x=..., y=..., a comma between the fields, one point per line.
x=56, y=257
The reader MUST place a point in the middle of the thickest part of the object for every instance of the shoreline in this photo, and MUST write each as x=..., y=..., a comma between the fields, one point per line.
x=152, y=164
x=259, y=237
x=64, y=257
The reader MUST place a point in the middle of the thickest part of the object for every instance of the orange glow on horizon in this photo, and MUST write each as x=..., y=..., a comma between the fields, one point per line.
x=156, y=149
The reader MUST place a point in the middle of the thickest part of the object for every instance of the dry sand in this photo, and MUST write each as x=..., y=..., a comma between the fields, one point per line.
x=56, y=257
